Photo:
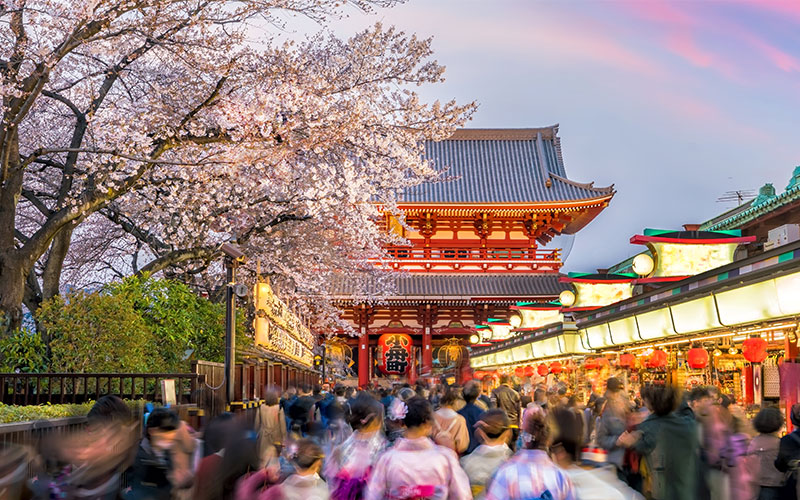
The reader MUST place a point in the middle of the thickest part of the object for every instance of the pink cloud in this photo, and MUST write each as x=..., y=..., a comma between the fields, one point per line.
x=659, y=11
x=683, y=45
x=782, y=60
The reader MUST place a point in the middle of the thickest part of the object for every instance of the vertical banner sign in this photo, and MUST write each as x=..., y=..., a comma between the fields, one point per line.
x=394, y=353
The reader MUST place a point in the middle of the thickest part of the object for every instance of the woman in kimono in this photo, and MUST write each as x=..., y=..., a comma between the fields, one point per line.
x=493, y=431
x=305, y=483
x=416, y=468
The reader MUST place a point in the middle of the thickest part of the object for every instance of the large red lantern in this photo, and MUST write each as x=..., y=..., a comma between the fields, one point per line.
x=543, y=370
x=754, y=349
x=657, y=360
x=529, y=371
x=556, y=367
x=394, y=353
x=519, y=371
x=627, y=360
x=602, y=362
x=697, y=358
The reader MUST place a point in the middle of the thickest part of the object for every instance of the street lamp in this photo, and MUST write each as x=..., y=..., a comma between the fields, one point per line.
x=233, y=257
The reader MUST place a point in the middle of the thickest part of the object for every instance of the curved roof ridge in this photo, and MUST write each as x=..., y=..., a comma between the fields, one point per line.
x=582, y=185
x=508, y=134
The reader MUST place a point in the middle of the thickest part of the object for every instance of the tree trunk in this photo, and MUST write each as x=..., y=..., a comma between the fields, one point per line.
x=12, y=291
x=51, y=276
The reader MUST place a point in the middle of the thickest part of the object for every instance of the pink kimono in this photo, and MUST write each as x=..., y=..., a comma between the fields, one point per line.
x=418, y=469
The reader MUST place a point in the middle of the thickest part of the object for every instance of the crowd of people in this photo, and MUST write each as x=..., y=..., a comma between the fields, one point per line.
x=513, y=441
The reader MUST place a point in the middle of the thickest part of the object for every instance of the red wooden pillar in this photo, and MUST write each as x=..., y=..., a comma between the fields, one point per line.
x=363, y=358
x=427, y=317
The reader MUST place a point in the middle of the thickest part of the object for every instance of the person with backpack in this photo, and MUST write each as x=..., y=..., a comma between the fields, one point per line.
x=789, y=456
x=530, y=474
x=450, y=428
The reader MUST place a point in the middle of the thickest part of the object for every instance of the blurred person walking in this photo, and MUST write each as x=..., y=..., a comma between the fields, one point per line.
x=508, y=400
x=530, y=473
x=788, y=459
x=472, y=412
x=349, y=465
x=416, y=467
x=762, y=453
x=492, y=430
x=450, y=428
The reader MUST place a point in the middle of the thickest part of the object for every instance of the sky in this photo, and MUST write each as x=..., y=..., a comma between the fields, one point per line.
x=675, y=103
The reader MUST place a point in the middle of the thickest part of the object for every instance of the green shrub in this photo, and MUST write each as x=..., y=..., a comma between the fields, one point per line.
x=23, y=351
x=11, y=413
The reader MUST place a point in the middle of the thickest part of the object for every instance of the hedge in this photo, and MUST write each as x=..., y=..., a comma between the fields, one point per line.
x=11, y=413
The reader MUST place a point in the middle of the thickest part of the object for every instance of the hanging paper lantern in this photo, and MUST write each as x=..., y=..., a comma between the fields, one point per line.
x=529, y=371
x=519, y=371
x=590, y=363
x=543, y=370
x=658, y=359
x=627, y=360
x=697, y=358
x=479, y=374
x=754, y=349
x=602, y=362
x=556, y=367
x=394, y=353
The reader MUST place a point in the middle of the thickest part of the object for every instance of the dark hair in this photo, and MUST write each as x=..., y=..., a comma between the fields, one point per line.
x=305, y=388
x=162, y=419
x=364, y=410
x=599, y=401
x=450, y=397
x=535, y=425
x=614, y=384
x=539, y=394
x=420, y=412
x=504, y=379
x=569, y=434
x=768, y=420
x=472, y=390
x=663, y=398
x=699, y=393
x=350, y=391
x=271, y=398
x=794, y=415
x=338, y=390
x=307, y=453
x=406, y=393
x=493, y=423
x=109, y=409
x=218, y=433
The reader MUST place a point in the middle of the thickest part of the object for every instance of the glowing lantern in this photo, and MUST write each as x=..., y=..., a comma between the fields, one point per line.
x=556, y=367
x=394, y=353
x=479, y=375
x=627, y=360
x=529, y=371
x=519, y=371
x=657, y=360
x=543, y=369
x=590, y=363
x=601, y=362
x=754, y=349
x=697, y=358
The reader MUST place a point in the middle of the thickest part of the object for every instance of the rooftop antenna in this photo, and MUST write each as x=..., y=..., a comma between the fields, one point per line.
x=740, y=196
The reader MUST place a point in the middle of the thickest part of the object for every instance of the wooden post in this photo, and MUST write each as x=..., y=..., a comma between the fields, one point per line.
x=363, y=358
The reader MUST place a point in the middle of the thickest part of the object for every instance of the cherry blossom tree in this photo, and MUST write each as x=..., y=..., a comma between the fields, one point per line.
x=139, y=135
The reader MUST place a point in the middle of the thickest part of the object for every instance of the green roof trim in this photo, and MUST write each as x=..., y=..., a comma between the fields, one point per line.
x=762, y=205
x=657, y=232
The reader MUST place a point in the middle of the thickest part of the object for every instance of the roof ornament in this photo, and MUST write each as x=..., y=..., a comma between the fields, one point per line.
x=766, y=193
x=795, y=180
